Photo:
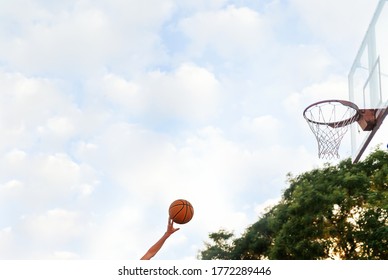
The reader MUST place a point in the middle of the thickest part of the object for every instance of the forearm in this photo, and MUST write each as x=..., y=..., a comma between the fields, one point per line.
x=156, y=247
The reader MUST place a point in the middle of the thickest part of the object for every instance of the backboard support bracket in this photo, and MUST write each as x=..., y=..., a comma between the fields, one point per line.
x=367, y=120
x=366, y=142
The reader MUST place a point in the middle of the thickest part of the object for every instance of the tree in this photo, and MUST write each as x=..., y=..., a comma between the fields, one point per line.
x=333, y=212
x=221, y=248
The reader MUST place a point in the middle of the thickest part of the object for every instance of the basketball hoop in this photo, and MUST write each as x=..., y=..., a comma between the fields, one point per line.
x=329, y=120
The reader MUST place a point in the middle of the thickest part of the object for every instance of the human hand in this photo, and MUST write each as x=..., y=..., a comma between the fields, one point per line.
x=170, y=227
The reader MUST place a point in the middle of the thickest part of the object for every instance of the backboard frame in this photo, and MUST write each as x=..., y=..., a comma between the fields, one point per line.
x=368, y=78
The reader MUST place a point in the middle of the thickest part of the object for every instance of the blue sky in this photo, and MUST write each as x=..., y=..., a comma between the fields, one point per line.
x=110, y=110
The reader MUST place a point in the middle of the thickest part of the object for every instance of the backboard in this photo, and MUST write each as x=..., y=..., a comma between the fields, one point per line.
x=368, y=80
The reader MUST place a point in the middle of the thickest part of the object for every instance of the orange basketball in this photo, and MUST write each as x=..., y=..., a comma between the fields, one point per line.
x=181, y=211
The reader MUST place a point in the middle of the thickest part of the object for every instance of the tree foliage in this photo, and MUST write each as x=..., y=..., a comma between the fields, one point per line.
x=333, y=212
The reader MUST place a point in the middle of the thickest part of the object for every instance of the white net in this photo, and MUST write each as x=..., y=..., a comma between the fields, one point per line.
x=329, y=121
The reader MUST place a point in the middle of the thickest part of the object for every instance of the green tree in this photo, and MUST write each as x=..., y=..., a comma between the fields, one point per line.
x=333, y=212
x=221, y=247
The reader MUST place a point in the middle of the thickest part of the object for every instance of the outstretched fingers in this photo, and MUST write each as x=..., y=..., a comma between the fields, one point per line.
x=170, y=226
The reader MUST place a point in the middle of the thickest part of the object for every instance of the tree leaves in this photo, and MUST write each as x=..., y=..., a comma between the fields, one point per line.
x=333, y=212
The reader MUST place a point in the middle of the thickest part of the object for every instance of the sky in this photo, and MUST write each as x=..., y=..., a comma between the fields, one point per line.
x=112, y=109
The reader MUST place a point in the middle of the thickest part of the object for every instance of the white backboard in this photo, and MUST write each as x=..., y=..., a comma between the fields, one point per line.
x=368, y=79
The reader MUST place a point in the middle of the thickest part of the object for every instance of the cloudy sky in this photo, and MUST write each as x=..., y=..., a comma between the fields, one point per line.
x=112, y=109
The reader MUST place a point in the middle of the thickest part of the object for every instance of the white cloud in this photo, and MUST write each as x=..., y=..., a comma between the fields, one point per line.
x=6, y=239
x=37, y=182
x=55, y=226
x=48, y=234
x=260, y=131
x=262, y=208
x=60, y=42
x=27, y=100
x=335, y=87
x=85, y=37
x=124, y=93
x=29, y=104
x=62, y=170
x=342, y=23
x=13, y=161
x=119, y=234
x=189, y=93
x=11, y=190
x=61, y=126
x=304, y=63
x=15, y=157
x=231, y=31
x=12, y=185
x=201, y=5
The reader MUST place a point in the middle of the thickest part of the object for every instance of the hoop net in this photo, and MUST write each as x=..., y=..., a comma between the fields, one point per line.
x=329, y=120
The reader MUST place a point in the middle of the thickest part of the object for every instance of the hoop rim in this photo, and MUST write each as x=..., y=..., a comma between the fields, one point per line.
x=338, y=123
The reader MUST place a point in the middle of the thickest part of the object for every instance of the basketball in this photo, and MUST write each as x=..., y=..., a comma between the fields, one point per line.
x=181, y=211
